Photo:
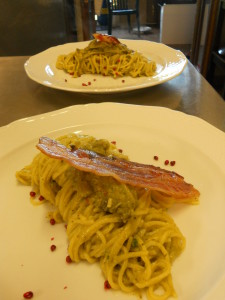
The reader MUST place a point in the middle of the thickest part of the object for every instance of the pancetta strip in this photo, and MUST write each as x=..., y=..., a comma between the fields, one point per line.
x=128, y=172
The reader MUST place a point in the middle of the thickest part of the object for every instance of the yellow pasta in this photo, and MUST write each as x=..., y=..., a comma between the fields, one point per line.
x=107, y=59
x=108, y=222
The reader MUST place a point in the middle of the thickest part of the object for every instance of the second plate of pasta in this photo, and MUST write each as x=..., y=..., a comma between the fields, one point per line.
x=42, y=69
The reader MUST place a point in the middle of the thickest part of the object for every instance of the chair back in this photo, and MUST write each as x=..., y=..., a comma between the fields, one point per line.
x=122, y=4
x=119, y=4
x=123, y=7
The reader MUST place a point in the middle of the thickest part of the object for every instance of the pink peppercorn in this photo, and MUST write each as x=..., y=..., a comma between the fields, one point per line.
x=68, y=259
x=32, y=194
x=53, y=247
x=52, y=221
x=107, y=286
x=28, y=295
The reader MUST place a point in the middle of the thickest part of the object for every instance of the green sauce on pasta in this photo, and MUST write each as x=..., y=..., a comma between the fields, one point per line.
x=106, y=59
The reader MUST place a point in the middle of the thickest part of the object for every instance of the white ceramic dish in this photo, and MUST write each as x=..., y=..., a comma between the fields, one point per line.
x=198, y=148
x=41, y=68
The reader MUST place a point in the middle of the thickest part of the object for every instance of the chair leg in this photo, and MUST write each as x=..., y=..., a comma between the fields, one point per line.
x=223, y=91
x=109, y=24
x=129, y=25
x=138, y=25
x=211, y=71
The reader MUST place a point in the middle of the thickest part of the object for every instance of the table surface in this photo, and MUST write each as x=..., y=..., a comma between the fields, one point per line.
x=20, y=97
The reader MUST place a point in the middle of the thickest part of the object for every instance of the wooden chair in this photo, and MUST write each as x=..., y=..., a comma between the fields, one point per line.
x=121, y=7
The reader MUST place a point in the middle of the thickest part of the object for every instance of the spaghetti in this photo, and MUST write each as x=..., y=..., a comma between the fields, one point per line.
x=109, y=222
x=106, y=57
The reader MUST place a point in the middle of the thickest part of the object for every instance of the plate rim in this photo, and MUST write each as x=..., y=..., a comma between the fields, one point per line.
x=201, y=125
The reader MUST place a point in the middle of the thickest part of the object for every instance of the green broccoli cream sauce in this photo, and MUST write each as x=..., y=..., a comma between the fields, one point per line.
x=113, y=196
x=105, y=192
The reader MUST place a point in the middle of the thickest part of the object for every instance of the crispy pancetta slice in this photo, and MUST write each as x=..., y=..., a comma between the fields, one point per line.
x=132, y=173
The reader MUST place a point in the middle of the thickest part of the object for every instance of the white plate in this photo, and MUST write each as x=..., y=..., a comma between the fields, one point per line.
x=198, y=148
x=41, y=68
